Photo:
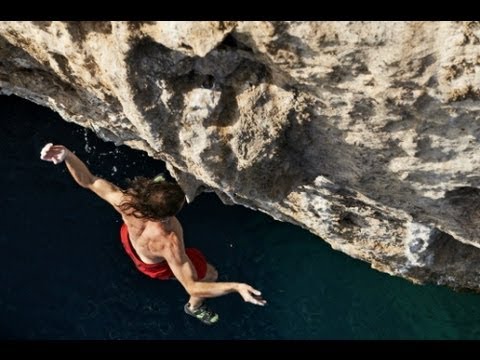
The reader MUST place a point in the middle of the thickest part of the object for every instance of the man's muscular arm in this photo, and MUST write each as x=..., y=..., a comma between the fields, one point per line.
x=81, y=174
x=184, y=271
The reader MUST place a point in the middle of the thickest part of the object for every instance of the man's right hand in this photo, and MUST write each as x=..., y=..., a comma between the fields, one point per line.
x=251, y=295
x=53, y=153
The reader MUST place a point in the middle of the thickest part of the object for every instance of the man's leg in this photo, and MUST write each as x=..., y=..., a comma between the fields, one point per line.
x=195, y=306
x=210, y=276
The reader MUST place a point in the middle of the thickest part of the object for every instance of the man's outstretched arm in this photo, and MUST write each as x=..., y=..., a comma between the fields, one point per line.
x=81, y=174
x=183, y=270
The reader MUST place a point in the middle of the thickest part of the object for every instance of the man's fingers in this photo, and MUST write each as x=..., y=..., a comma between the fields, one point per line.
x=46, y=148
x=45, y=157
x=252, y=295
x=258, y=302
x=256, y=292
x=53, y=153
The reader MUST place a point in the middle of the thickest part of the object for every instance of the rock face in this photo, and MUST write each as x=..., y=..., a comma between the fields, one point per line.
x=366, y=134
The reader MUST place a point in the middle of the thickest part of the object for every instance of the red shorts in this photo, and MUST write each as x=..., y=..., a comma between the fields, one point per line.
x=161, y=270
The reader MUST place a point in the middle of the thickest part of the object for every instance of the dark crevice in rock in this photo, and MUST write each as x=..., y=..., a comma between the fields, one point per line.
x=466, y=202
x=10, y=54
x=231, y=43
x=464, y=196
x=64, y=67
x=43, y=25
x=91, y=65
x=228, y=111
x=363, y=109
x=462, y=206
x=351, y=65
x=449, y=262
x=276, y=74
x=135, y=26
x=186, y=46
x=466, y=93
x=350, y=219
x=209, y=82
x=421, y=65
x=79, y=30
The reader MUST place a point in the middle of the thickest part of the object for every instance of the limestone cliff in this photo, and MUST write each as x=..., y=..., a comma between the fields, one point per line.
x=366, y=134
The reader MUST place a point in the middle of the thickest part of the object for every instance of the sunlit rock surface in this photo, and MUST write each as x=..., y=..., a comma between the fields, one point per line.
x=366, y=134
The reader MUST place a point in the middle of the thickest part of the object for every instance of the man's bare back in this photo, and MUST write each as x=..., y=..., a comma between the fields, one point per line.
x=149, y=238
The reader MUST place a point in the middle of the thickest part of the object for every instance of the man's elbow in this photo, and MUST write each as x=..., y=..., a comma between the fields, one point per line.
x=88, y=182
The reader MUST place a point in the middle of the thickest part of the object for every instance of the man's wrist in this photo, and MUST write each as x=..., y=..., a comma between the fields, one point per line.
x=68, y=153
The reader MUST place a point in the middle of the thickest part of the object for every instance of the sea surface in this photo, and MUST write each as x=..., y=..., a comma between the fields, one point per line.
x=64, y=274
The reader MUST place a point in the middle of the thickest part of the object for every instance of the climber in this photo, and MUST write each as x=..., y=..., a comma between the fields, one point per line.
x=153, y=237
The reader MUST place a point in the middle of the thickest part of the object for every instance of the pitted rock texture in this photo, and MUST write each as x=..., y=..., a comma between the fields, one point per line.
x=365, y=133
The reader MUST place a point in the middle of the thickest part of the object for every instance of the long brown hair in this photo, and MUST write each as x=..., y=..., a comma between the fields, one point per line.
x=153, y=200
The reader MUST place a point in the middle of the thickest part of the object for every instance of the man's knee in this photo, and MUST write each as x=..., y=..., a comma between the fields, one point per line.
x=212, y=273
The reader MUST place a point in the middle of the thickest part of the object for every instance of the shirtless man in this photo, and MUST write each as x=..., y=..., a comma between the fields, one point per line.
x=152, y=236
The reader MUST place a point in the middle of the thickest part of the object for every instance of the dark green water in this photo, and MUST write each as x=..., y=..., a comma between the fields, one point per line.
x=64, y=274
